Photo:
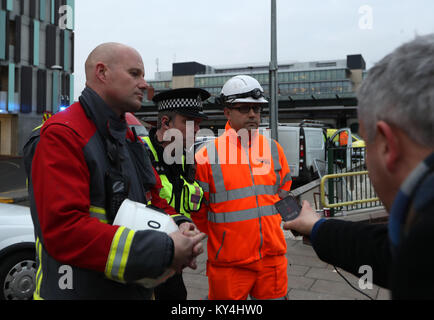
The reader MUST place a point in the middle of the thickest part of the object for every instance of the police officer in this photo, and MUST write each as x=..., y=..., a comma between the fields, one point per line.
x=180, y=112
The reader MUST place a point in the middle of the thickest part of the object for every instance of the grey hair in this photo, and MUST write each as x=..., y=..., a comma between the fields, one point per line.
x=400, y=91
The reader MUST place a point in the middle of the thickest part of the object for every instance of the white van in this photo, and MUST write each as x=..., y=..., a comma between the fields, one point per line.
x=302, y=143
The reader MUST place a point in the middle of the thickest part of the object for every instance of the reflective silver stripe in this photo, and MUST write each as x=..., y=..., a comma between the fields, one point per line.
x=203, y=185
x=243, y=215
x=98, y=213
x=258, y=211
x=276, y=162
x=119, y=253
x=287, y=178
x=275, y=155
x=216, y=169
x=242, y=193
x=222, y=195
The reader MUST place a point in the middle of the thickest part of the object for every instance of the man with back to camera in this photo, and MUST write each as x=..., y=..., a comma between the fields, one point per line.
x=396, y=116
x=85, y=164
x=243, y=174
x=180, y=112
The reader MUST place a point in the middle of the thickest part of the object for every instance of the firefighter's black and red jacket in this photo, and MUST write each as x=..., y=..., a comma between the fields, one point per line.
x=68, y=204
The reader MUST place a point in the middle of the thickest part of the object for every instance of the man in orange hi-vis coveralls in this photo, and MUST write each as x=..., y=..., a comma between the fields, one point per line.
x=243, y=174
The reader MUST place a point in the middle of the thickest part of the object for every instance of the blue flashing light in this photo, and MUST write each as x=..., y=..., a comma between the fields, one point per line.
x=62, y=108
x=13, y=108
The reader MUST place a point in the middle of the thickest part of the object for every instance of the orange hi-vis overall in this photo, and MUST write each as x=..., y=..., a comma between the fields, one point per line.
x=241, y=183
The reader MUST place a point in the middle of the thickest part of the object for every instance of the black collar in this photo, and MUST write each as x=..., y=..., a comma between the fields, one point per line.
x=105, y=119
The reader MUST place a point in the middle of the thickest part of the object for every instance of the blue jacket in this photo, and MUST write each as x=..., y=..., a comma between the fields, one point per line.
x=400, y=254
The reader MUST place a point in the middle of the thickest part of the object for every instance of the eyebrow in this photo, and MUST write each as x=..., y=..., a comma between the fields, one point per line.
x=136, y=70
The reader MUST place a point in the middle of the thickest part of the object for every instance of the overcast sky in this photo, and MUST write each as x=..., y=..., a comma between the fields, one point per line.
x=225, y=32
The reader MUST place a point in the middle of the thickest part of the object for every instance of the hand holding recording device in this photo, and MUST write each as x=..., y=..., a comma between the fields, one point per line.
x=288, y=208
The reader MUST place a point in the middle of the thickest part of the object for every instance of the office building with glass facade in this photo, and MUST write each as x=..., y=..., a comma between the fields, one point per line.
x=36, y=65
x=322, y=90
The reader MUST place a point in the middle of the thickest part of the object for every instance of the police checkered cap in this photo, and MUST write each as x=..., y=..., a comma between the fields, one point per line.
x=186, y=101
x=172, y=104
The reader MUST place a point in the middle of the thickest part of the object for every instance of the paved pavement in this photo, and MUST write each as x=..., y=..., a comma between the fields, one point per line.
x=309, y=278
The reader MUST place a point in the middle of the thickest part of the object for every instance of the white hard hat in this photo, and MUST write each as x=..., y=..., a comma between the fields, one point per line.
x=242, y=89
x=137, y=216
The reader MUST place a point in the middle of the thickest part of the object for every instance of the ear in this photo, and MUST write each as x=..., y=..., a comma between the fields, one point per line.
x=389, y=145
x=165, y=121
x=101, y=72
x=227, y=112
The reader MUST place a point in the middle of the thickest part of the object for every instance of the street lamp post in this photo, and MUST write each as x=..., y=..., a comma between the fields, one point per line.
x=273, y=74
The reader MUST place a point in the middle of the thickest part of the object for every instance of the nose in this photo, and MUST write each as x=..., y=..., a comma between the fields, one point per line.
x=143, y=85
x=252, y=113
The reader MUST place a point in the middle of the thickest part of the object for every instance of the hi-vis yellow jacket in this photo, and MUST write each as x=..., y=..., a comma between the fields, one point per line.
x=191, y=194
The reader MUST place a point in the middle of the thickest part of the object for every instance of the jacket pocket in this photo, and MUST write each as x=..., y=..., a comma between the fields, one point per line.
x=221, y=247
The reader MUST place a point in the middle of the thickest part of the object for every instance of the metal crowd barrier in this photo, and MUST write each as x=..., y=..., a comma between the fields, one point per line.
x=345, y=184
x=348, y=193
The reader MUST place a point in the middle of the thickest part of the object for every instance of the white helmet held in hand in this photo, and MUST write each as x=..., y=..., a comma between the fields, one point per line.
x=137, y=216
x=242, y=89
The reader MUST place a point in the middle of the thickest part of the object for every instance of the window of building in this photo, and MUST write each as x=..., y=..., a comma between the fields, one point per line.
x=12, y=32
x=284, y=88
x=266, y=89
x=326, y=64
x=301, y=76
x=324, y=87
x=309, y=76
x=3, y=88
x=314, y=88
x=340, y=74
x=333, y=75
